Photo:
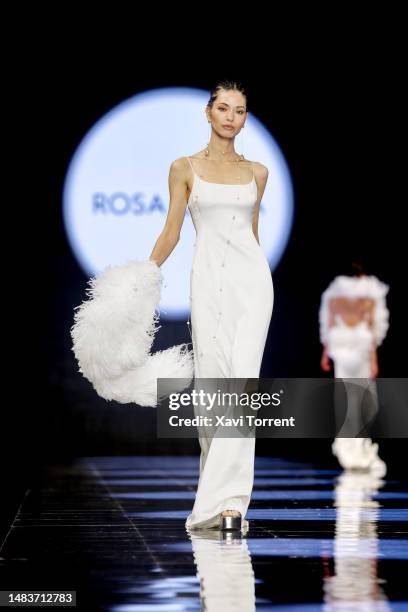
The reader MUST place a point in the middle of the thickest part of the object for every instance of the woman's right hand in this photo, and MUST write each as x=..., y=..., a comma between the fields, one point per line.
x=374, y=371
x=325, y=361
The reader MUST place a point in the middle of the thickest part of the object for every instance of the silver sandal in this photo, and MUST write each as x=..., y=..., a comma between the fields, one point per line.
x=231, y=522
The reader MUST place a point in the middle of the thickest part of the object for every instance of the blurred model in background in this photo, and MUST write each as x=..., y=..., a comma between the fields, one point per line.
x=354, y=321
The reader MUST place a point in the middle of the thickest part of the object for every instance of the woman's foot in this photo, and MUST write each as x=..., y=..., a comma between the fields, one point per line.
x=231, y=513
x=231, y=520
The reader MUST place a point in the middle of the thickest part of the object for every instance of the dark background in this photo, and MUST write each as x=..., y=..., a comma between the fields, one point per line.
x=336, y=113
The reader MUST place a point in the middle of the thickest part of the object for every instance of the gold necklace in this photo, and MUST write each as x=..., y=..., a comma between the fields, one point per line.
x=207, y=152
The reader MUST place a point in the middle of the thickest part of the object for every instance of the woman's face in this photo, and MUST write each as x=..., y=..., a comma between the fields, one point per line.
x=229, y=109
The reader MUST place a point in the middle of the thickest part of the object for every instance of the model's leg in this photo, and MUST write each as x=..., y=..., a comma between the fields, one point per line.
x=357, y=452
x=226, y=462
x=227, y=480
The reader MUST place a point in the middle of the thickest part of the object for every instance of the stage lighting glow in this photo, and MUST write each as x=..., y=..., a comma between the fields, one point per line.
x=116, y=196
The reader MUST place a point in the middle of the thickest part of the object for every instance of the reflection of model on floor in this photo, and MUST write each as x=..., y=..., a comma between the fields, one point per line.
x=353, y=320
x=352, y=581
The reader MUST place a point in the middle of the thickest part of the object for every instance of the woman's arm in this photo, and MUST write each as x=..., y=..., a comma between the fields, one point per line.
x=328, y=313
x=261, y=176
x=170, y=234
x=325, y=317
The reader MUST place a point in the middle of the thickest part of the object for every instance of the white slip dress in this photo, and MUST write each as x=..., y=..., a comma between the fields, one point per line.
x=232, y=299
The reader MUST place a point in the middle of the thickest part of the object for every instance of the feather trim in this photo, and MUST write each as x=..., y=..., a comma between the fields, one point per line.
x=357, y=287
x=114, y=330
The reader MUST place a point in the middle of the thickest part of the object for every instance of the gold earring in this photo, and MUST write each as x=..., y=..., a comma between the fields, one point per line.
x=206, y=151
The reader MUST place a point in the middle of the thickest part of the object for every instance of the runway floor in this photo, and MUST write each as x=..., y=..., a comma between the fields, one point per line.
x=112, y=529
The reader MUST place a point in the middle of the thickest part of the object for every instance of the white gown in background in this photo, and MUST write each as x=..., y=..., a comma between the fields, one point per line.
x=349, y=346
x=231, y=307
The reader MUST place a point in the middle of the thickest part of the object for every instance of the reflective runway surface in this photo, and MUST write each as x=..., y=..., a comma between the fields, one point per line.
x=113, y=530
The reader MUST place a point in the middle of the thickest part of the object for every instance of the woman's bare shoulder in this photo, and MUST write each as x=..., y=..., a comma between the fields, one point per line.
x=261, y=171
x=182, y=163
x=179, y=167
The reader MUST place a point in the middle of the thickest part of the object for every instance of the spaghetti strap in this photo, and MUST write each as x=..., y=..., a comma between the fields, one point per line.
x=253, y=171
x=189, y=161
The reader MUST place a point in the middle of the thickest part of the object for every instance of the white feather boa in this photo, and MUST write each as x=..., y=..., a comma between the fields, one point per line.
x=114, y=331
